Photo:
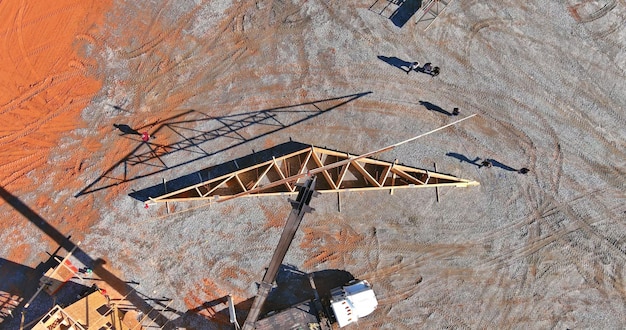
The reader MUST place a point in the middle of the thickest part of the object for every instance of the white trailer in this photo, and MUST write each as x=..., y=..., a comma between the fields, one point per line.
x=352, y=302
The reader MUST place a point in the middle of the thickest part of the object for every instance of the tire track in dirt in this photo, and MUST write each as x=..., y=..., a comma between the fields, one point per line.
x=159, y=67
x=20, y=38
x=448, y=310
x=26, y=165
x=36, y=89
x=399, y=281
x=528, y=249
x=542, y=210
x=587, y=225
x=276, y=21
x=532, y=279
x=362, y=31
x=545, y=211
x=39, y=109
x=542, y=122
x=39, y=19
x=601, y=12
x=557, y=105
x=490, y=298
x=589, y=270
x=555, y=182
x=31, y=127
x=336, y=248
x=336, y=244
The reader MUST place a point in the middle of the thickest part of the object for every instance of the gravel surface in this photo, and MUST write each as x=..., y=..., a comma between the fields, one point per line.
x=213, y=81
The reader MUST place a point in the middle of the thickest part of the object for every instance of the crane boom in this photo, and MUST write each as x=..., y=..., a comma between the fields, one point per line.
x=299, y=207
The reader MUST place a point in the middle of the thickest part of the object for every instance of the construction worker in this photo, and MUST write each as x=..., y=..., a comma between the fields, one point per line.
x=427, y=68
x=435, y=71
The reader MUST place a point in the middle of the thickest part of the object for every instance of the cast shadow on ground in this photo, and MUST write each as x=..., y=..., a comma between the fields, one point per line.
x=478, y=163
x=434, y=107
x=398, y=63
x=20, y=282
x=292, y=288
x=218, y=170
x=405, y=11
x=227, y=132
x=385, y=4
x=125, y=129
x=124, y=288
x=463, y=158
x=118, y=108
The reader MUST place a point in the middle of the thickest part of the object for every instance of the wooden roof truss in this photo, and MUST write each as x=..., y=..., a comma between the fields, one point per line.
x=336, y=172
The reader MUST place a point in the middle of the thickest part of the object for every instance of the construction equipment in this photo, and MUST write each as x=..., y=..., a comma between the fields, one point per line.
x=299, y=207
x=348, y=302
x=351, y=302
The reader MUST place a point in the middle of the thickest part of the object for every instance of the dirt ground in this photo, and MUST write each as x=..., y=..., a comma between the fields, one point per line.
x=213, y=81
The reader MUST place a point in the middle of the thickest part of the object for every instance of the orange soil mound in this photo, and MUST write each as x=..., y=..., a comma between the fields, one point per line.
x=44, y=84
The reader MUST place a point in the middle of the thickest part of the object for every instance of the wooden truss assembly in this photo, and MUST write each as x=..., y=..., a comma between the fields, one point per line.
x=336, y=172
x=430, y=11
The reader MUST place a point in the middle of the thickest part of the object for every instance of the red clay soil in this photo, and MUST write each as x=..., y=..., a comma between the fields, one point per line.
x=44, y=85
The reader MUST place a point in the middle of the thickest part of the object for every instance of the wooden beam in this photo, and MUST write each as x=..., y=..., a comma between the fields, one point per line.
x=325, y=173
x=368, y=177
x=436, y=188
x=260, y=177
x=407, y=176
x=407, y=186
x=218, y=185
x=393, y=177
x=384, y=175
x=282, y=175
x=304, y=164
x=228, y=176
x=241, y=183
x=344, y=170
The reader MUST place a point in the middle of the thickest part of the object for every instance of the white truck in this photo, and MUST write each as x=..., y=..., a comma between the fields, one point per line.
x=353, y=301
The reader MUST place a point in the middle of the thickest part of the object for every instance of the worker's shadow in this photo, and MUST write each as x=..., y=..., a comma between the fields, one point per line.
x=476, y=161
x=398, y=63
x=463, y=158
x=125, y=129
x=434, y=107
